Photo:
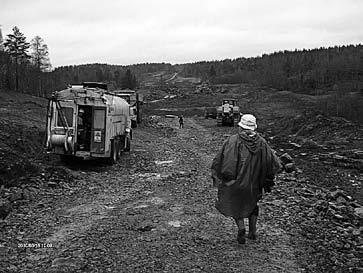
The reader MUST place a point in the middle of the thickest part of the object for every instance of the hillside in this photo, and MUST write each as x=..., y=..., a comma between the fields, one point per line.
x=22, y=127
x=334, y=71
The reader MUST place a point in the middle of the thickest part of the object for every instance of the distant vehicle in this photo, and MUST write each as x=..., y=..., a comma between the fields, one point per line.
x=210, y=112
x=136, y=101
x=228, y=113
x=95, y=85
x=88, y=122
x=100, y=85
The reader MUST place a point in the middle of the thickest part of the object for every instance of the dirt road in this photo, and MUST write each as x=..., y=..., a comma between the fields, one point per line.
x=154, y=210
x=151, y=212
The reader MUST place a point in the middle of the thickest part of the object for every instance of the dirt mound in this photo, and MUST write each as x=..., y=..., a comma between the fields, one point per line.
x=20, y=145
x=327, y=220
x=14, y=168
x=23, y=159
x=327, y=149
x=325, y=130
x=159, y=123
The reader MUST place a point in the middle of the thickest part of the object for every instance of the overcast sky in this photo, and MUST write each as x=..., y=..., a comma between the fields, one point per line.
x=179, y=31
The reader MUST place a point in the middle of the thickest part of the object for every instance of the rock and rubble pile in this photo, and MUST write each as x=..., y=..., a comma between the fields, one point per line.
x=158, y=122
x=331, y=131
x=329, y=221
x=203, y=88
x=332, y=140
x=19, y=146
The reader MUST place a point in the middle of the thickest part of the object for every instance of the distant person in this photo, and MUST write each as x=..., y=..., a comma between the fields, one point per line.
x=80, y=120
x=181, y=121
x=242, y=168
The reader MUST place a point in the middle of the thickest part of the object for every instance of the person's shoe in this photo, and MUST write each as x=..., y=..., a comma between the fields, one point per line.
x=251, y=236
x=241, y=236
x=252, y=227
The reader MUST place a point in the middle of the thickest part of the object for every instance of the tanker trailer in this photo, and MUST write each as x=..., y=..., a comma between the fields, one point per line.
x=136, y=101
x=88, y=123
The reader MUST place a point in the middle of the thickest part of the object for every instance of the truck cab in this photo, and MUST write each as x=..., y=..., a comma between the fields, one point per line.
x=136, y=101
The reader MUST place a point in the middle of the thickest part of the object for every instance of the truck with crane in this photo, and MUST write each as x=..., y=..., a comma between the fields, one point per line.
x=86, y=121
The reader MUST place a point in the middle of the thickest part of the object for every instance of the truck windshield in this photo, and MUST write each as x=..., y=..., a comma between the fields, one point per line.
x=67, y=114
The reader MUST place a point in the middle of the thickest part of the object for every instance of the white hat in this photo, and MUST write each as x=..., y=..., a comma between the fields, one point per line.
x=248, y=122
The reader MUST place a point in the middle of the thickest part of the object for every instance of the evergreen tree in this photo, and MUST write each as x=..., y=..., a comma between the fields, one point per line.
x=99, y=74
x=17, y=47
x=212, y=73
x=129, y=80
x=117, y=78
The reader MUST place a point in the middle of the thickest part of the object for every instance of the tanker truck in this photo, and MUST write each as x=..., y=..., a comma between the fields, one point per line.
x=88, y=122
x=136, y=101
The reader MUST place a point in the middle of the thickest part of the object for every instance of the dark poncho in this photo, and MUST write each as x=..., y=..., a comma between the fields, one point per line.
x=247, y=159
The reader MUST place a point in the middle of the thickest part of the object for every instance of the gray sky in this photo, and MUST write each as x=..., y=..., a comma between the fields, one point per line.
x=179, y=31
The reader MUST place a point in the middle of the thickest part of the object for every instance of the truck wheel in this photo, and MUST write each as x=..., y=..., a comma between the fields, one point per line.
x=113, y=156
x=118, y=146
x=66, y=158
x=128, y=144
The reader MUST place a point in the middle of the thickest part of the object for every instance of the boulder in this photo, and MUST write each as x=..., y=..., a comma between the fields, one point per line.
x=5, y=208
x=286, y=158
x=52, y=184
x=28, y=195
x=16, y=195
x=295, y=145
x=358, y=154
x=339, y=196
x=290, y=167
x=359, y=212
x=310, y=144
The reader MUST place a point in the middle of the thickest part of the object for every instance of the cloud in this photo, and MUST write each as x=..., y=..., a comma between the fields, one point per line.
x=125, y=32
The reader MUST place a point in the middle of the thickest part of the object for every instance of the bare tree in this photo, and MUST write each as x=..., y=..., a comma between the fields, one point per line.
x=39, y=54
x=1, y=41
x=40, y=59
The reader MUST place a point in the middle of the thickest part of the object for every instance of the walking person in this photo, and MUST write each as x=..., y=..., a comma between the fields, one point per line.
x=181, y=121
x=243, y=167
